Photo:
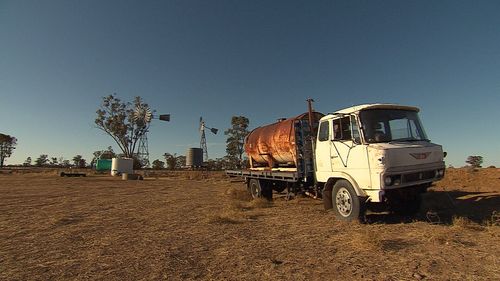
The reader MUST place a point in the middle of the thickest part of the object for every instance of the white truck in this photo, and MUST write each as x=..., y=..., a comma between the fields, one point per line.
x=365, y=156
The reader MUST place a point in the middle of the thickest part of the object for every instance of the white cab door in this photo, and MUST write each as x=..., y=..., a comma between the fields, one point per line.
x=323, y=159
x=348, y=154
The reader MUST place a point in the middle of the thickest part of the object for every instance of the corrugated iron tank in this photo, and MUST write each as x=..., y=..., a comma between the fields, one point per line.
x=279, y=144
x=194, y=157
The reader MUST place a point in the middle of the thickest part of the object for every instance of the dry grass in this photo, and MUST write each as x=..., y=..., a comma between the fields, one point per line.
x=261, y=203
x=465, y=223
x=171, y=228
x=223, y=219
x=492, y=225
x=363, y=237
x=238, y=194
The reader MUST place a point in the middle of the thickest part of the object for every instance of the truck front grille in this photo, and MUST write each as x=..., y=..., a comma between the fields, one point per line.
x=418, y=176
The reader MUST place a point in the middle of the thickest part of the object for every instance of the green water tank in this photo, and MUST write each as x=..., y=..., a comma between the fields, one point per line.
x=103, y=165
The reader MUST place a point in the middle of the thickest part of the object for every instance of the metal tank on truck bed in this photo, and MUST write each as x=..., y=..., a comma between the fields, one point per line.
x=284, y=145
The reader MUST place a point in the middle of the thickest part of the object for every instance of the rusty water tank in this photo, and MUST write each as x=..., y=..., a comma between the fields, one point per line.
x=276, y=144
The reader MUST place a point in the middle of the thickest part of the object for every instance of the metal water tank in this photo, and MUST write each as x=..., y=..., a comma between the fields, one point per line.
x=276, y=144
x=122, y=165
x=194, y=157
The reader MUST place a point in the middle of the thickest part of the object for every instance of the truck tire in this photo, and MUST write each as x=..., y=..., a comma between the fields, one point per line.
x=260, y=189
x=345, y=201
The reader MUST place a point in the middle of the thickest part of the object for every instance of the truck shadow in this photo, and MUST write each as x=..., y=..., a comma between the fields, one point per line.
x=440, y=207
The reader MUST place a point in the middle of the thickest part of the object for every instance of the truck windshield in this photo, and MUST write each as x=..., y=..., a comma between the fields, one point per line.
x=386, y=125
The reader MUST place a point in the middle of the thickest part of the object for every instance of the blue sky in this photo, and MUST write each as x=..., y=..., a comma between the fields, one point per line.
x=260, y=59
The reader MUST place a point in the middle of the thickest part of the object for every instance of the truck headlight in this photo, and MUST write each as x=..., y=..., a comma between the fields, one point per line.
x=388, y=180
x=397, y=181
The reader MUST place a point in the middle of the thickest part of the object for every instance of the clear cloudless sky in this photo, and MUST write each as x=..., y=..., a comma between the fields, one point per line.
x=260, y=59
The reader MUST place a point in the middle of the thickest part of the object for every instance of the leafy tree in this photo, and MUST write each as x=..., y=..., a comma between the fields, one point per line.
x=65, y=163
x=7, y=145
x=475, y=161
x=42, y=160
x=116, y=118
x=79, y=162
x=236, y=138
x=181, y=161
x=53, y=161
x=213, y=165
x=27, y=162
x=171, y=160
x=228, y=162
x=158, y=165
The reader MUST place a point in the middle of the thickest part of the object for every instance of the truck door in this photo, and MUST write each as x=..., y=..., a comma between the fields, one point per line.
x=348, y=154
x=323, y=161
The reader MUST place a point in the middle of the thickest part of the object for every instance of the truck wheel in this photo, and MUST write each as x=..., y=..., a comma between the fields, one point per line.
x=346, y=204
x=254, y=188
x=260, y=189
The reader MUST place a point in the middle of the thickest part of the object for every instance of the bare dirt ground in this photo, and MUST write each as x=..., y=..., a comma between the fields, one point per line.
x=170, y=227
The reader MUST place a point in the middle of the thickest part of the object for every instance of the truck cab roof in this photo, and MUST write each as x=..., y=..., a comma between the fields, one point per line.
x=357, y=108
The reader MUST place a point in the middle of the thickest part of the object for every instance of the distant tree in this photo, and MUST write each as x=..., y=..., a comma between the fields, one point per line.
x=7, y=145
x=102, y=154
x=27, y=162
x=65, y=163
x=53, y=161
x=213, y=165
x=181, y=161
x=43, y=160
x=474, y=161
x=224, y=163
x=229, y=162
x=171, y=160
x=158, y=165
x=236, y=138
x=116, y=118
x=77, y=159
x=79, y=162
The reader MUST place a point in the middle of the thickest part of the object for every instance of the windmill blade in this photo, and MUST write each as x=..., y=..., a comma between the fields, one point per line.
x=137, y=114
x=142, y=114
x=202, y=124
x=148, y=115
x=214, y=130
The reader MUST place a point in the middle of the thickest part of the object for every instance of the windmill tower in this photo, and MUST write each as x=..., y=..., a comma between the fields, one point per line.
x=142, y=117
x=203, y=140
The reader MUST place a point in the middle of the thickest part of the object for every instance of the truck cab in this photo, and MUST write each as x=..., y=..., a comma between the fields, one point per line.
x=375, y=154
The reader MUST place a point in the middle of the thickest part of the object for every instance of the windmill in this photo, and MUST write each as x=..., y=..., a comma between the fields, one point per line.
x=142, y=116
x=203, y=141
